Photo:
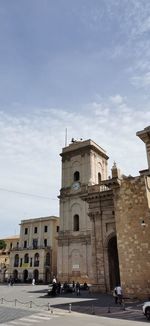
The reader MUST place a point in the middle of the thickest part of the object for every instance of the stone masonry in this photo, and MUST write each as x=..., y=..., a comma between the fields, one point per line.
x=132, y=226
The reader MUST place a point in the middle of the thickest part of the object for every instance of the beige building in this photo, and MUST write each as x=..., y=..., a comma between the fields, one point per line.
x=11, y=242
x=35, y=256
x=104, y=222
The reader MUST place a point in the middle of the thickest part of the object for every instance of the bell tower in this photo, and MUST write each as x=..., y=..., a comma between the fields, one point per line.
x=84, y=163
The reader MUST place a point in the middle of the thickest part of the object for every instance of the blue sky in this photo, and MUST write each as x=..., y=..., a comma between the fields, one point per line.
x=82, y=65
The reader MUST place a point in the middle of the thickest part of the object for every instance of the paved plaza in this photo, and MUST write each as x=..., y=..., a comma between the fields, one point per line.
x=26, y=304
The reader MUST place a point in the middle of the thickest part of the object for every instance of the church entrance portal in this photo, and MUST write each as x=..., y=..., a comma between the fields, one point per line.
x=114, y=275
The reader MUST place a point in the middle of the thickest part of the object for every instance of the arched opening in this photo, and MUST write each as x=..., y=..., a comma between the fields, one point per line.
x=25, y=275
x=76, y=222
x=16, y=260
x=114, y=275
x=47, y=276
x=36, y=275
x=76, y=176
x=99, y=177
x=15, y=275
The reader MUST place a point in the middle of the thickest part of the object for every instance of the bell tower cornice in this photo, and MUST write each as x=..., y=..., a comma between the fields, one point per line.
x=81, y=148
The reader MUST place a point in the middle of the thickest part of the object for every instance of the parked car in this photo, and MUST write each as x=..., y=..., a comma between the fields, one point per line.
x=146, y=309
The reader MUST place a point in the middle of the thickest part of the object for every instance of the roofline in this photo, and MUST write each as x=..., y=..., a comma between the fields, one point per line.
x=13, y=237
x=38, y=219
x=87, y=144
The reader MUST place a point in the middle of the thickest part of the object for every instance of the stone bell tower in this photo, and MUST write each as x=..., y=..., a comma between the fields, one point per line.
x=84, y=163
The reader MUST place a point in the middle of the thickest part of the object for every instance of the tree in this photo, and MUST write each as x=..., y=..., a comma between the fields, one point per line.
x=2, y=244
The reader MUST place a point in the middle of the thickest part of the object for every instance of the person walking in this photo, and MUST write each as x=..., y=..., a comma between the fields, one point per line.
x=33, y=281
x=115, y=295
x=118, y=294
x=73, y=286
x=78, y=288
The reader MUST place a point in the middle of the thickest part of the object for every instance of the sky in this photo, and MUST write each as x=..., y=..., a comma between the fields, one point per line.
x=82, y=65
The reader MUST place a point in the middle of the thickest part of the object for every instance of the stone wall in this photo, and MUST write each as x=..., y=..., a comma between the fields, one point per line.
x=133, y=235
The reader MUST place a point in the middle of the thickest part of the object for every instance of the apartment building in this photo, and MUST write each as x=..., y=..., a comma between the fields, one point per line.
x=35, y=256
x=10, y=242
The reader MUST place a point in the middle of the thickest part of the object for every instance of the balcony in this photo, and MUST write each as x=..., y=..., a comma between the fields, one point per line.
x=30, y=248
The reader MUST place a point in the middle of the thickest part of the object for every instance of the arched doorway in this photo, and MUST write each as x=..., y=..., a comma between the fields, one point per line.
x=114, y=275
x=47, y=276
x=25, y=275
x=36, y=275
x=15, y=275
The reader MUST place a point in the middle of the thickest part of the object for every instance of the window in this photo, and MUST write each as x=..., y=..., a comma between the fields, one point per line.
x=57, y=228
x=30, y=262
x=45, y=242
x=76, y=223
x=76, y=176
x=35, y=229
x=26, y=231
x=45, y=228
x=25, y=244
x=36, y=260
x=35, y=243
x=99, y=177
x=20, y=262
x=26, y=258
x=48, y=259
x=11, y=245
x=16, y=260
x=17, y=245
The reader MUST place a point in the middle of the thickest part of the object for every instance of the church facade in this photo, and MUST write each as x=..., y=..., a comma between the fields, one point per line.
x=104, y=222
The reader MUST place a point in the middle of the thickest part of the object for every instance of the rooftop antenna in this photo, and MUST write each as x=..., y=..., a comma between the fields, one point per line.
x=66, y=137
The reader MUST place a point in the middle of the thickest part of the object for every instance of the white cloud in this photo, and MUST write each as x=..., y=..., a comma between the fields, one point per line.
x=117, y=99
x=30, y=147
x=142, y=80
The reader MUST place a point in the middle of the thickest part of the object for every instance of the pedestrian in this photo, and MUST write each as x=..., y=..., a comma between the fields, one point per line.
x=54, y=289
x=78, y=288
x=59, y=287
x=33, y=281
x=118, y=292
x=54, y=279
x=115, y=295
x=73, y=286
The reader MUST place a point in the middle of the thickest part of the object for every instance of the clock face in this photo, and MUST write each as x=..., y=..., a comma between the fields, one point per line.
x=76, y=186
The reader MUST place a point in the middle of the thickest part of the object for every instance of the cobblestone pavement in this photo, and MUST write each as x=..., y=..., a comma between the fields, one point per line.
x=27, y=301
